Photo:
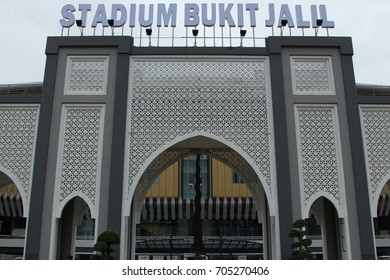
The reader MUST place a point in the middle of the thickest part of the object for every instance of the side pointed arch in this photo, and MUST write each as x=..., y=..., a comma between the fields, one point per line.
x=83, y=197
x=18, y=185
x=376, y=194
x=314, y=198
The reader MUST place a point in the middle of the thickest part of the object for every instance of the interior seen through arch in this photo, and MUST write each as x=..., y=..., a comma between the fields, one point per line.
x=382, y=223
x=76, y=231
x=330, y=244
x=12, y=222
x=231, y=228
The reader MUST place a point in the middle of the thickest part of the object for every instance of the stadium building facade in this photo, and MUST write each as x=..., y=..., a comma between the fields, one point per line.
x=111, y=139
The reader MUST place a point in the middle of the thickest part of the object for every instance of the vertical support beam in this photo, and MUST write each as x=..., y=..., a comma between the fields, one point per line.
x=365, y=221
x=118, y=143
x=33, y=234
x=281, y=148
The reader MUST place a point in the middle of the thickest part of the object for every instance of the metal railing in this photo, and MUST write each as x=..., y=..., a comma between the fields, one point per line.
x=21, y=89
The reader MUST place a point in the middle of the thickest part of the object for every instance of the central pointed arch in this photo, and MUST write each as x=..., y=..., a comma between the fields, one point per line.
x=209, y=144
x=228, y=153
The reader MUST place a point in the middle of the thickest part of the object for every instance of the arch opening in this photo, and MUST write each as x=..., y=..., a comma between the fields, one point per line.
x=234, y=221
x=205, y=143
x=326, y=230
x=382, y=223
x=314, y=233
x=12, y=219
x=76, y=231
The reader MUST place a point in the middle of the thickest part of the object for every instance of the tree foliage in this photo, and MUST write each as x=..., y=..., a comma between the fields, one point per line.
x=103, y=244
x=301, y=244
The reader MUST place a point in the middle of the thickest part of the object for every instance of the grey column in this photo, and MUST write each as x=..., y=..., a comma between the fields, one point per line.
x=281, y=149
x=37, y=191
x=118, y=143
x=365, y=222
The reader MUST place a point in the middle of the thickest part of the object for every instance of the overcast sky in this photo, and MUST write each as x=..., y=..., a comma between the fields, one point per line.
x=25, y=26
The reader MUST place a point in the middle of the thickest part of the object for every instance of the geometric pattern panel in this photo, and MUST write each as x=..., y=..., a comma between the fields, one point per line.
x=82, y=134
x=376, y=132
x=317, y=152
x=86, y=76
x=18, y=132
x=172, y=97
x=312, y=76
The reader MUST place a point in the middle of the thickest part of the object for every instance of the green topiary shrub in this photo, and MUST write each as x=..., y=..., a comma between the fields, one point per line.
x=301, y=246
x=103, y=245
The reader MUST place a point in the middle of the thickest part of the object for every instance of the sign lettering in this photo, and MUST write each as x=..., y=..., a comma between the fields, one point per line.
x=222, y=14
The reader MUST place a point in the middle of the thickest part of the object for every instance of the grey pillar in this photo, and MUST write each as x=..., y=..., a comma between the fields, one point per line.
x=365, y=221
x=281, y=148
x=119, y=141
x=33, y=235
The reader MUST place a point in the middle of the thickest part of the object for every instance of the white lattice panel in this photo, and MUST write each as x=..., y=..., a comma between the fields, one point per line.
x=175, y=97
x=312, y=76
x=86, y=75
x=320, y=166
x=376, y=132
x=80, y=151
x=18, y=132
